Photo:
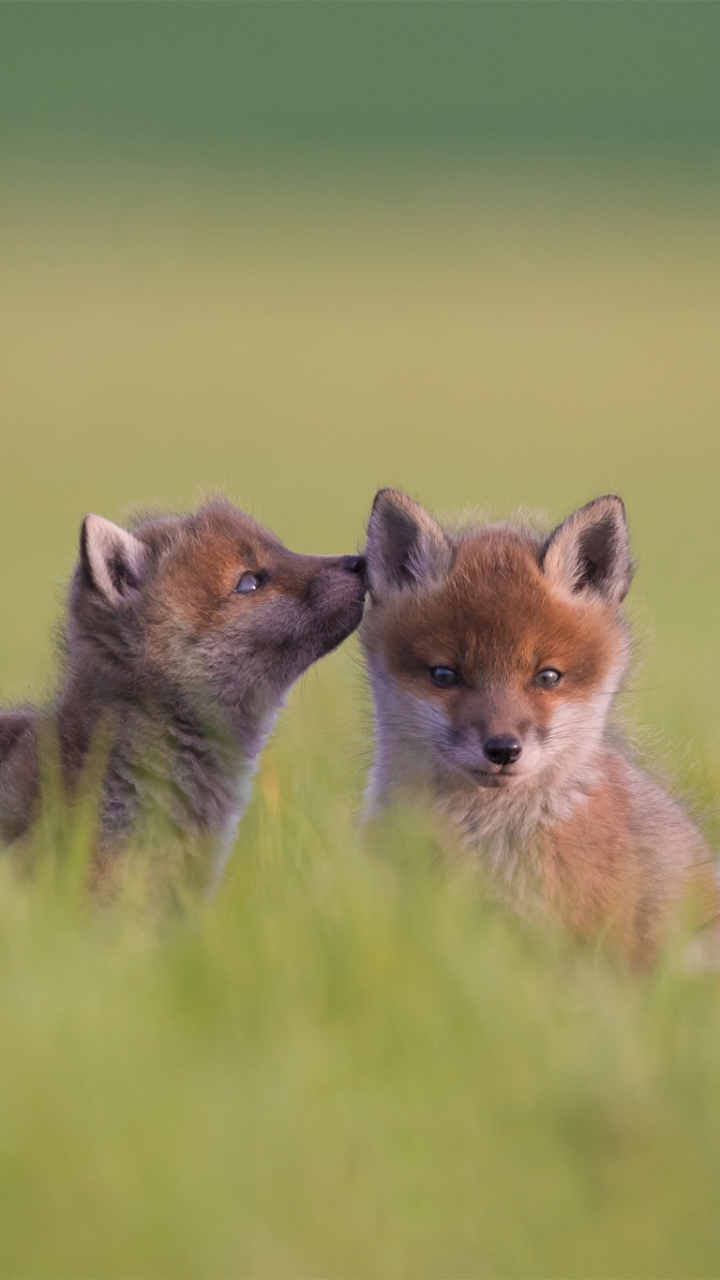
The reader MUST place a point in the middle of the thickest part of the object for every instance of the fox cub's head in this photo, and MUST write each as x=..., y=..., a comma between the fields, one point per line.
x=494, y=654
x=210, y=606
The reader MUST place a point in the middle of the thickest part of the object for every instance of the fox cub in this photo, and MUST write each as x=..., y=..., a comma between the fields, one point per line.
x=494, y=657
x=182, y=638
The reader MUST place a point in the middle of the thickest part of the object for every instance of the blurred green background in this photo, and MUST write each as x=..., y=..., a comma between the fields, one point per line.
x=298, y=251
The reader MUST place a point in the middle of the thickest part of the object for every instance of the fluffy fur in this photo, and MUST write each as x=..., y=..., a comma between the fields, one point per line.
x=175, y=672
x=526, y=774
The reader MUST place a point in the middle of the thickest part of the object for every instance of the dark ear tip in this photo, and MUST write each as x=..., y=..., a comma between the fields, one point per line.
x=85, y=569
x=390, y=499
x=613, y=498
x=609, y=504
x=84, y=535
x=386, y=496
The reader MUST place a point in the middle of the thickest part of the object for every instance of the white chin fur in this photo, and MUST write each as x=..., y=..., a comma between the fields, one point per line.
x=497, y=781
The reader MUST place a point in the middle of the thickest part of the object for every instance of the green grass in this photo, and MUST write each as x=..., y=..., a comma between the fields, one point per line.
x=348, y=1064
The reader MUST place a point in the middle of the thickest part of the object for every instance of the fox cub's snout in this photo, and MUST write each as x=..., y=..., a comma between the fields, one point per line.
x=494, y=656
x=500, y=651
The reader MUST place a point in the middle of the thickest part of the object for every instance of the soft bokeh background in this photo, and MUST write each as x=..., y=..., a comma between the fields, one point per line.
x=299, y=251
x=302, y=251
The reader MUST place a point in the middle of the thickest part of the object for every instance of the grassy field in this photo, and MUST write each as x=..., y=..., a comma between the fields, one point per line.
x=348, y=1064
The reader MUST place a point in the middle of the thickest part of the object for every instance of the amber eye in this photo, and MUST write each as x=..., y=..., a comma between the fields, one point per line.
x=249, y=582
x=548, y=678
x=444, y=677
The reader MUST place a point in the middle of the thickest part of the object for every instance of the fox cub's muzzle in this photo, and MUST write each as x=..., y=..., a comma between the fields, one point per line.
x=355, y=564
x=334, y=595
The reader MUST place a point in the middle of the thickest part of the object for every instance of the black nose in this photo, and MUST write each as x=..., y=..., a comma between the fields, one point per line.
x=354, y=564
x=503, y=750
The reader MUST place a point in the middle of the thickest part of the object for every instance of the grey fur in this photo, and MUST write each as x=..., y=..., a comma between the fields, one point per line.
x=173, y=673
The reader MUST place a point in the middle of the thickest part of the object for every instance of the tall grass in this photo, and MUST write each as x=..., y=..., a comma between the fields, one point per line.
x=348, y=1063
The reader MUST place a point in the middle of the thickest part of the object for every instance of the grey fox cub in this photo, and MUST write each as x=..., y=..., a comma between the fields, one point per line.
x=182, y=638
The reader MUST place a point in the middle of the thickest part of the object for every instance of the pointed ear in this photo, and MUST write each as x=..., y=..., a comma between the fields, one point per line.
x=405, y=546
x=590, y=551
x=112, y=559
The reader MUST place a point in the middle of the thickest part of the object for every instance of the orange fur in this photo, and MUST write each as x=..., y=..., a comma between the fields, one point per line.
x=564, y=822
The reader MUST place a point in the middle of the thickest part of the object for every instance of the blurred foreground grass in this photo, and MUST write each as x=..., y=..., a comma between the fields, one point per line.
x=347, y=1064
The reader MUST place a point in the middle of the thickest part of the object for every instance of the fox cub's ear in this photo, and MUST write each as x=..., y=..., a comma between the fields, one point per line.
x=112, y=559
x=405, y=546
x=590, y=551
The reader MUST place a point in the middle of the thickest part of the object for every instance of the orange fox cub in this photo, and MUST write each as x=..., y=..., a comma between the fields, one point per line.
x=494, y=656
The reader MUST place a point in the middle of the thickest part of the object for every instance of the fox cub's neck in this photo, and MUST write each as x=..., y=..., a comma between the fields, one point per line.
x=187, y=770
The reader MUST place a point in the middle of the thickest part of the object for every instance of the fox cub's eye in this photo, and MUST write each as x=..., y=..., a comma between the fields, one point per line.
x=548, y=678
x=444, y=677
x=249, y=582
